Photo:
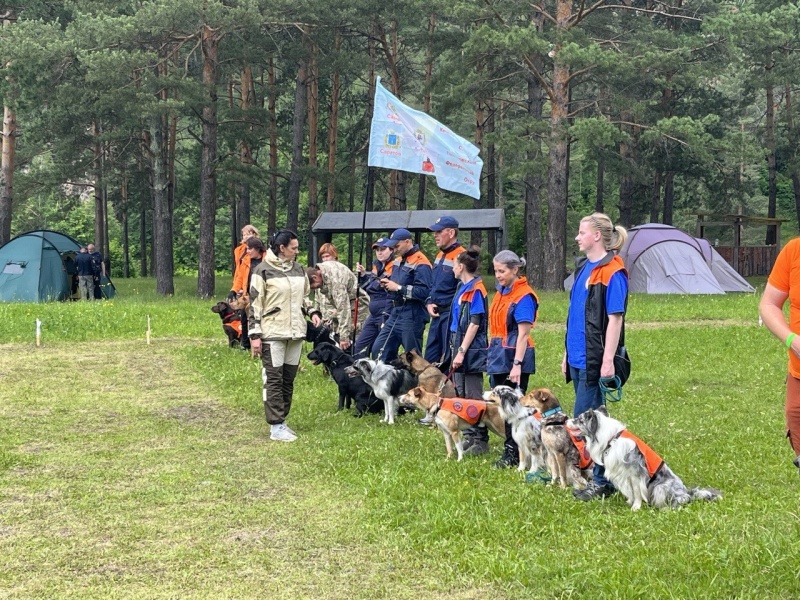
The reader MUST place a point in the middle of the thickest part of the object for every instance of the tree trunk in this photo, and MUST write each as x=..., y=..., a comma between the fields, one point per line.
x=556, y=236
x=208, y=165
x=143, y=272
x=273, y=147
x=126, y=241
x=481, y=110
x=162, y=219
x=313, y=129
x=9, y=145
x=97, y=164
x=626, y=181
x=533, y=180
x=247, y=101
x=298, y=124
x=599, y=197
x=8, y=149
x=772, y=168
x=655, y=198
x=476, y=236
x=793, y=135
x=333, y=128
x=669, y=196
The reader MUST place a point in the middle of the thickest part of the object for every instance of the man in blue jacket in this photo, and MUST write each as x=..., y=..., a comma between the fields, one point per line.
x=408, y=287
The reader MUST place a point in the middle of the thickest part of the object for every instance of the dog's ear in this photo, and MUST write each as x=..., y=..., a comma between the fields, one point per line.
x=602, y=410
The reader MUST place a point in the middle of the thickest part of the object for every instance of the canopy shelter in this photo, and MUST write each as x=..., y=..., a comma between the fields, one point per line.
x=416, y=221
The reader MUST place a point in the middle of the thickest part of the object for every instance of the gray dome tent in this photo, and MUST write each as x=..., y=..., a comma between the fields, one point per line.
x=33, y=267
x=664, y=260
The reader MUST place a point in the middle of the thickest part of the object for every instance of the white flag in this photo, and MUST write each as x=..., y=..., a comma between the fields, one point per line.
x=409, y=140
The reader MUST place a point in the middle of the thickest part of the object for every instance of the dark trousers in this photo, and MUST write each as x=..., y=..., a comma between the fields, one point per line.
x=369, y=333
x=481, y=433
x=437, y=349
x=586, y=397
x=404, y=327
x=278, y=377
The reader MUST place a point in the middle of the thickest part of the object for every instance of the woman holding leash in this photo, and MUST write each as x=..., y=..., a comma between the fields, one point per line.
x=784, y=284
x=469, y=340
x=511, y=350
x=596, y=324
x=279, y=291
x=468, y=326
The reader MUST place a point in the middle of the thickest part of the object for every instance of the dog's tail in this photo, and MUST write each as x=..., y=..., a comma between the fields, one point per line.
x=707, y=494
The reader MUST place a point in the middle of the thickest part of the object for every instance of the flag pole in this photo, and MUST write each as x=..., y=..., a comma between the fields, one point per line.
x=367, y=202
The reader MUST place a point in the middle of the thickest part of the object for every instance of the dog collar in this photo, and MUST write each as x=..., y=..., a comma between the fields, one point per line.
x=551, y=412
x=611, y=441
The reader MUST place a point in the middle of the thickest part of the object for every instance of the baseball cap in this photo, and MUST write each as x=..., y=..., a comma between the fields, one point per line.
x=381, y=242
x=397, y=235
x=444, y=223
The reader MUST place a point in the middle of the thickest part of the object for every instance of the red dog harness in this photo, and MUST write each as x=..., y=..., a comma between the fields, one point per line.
x=233, y=321
x=584, y=460
x=652, y=461
x=471, y=411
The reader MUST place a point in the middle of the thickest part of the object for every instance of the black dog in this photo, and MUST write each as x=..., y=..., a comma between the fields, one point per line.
x=231, y=322
x=350, y=388
x=320, y=335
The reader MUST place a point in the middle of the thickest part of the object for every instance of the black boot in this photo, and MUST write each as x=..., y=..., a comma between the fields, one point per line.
x=510, y=456
x=476, y=441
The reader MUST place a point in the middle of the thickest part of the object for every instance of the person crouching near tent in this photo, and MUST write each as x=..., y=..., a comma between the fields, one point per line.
x=595, y=324
x=784, y=284
x=279, y=300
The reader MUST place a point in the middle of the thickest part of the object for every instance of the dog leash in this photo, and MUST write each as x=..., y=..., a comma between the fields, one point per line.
x=446, y=379
x=611, y=388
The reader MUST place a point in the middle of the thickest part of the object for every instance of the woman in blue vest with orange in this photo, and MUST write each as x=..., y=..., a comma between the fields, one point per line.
x=468, y=326
x=595, y=340
x=511, y=350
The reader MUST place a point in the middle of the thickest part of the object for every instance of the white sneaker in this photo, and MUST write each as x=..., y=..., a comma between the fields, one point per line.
x=287, y=428
x=281, y=433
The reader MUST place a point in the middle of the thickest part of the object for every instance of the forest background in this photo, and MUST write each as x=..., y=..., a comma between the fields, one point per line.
x=158, y=128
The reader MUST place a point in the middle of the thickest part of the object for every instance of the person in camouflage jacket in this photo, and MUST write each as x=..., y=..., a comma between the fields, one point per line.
x=335, y=299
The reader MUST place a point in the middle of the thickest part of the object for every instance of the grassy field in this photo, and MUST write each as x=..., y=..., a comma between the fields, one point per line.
x=136, y=471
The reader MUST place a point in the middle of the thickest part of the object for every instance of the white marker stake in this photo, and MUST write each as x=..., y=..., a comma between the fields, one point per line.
x=38, y=333
x=148, y=330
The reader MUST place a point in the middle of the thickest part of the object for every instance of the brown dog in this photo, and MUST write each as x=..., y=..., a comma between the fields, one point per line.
x=566, y=460
x=430, y=378
x=455, y=414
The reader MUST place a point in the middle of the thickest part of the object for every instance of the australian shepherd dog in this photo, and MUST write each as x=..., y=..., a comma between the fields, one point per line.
x=635, y=470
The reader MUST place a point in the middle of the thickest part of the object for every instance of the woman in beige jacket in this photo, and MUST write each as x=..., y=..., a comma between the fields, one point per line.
x=279, y=292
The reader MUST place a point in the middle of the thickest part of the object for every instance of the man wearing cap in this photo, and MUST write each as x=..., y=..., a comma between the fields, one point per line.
x=409, y=286
x=337, y=287
x=443, y=288
x=380, y=304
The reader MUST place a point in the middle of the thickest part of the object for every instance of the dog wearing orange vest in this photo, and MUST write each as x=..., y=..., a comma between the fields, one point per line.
x=526, y=427
x=632, y=466
x=453, y=415
x=567, y=459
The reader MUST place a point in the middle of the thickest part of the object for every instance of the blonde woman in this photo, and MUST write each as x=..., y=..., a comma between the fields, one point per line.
x=596, y=324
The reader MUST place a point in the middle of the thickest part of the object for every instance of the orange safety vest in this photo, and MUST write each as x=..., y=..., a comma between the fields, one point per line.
x=652, y=461
x=470, y=410
x=233, y=320
x=498, y=312
x=241, y=272
x=584, y=459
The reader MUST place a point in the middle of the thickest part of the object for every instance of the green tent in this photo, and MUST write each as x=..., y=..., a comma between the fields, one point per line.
x=34, y=267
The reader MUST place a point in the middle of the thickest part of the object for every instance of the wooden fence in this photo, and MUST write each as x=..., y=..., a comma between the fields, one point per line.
x=752, y=260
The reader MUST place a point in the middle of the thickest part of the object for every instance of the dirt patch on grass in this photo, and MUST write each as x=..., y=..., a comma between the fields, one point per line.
x=199, y=413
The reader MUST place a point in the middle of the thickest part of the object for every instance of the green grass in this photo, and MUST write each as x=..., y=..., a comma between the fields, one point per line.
x=135, y=471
